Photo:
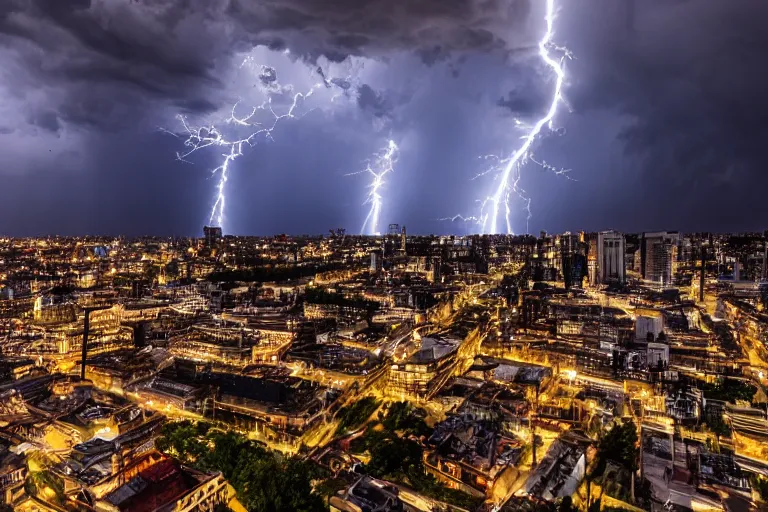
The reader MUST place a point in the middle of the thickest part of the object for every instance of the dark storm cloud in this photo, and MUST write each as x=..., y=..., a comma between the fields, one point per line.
x=682, y=91
x=46, y=120
x=85, y=71
x=692, y=75
x=372, y=101
x=529, y=96
x=171, y=50
x=342, y=27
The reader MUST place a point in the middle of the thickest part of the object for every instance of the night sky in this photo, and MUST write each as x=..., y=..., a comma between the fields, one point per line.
x=667, y=129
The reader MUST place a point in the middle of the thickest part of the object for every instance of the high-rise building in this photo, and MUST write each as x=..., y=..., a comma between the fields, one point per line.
x=436, y=270
x=212, y=235
x=573, y=264
x=658, y=255
x=376, y=261
x=611, y=263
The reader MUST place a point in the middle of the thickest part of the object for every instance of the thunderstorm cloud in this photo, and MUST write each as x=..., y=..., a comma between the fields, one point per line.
x=666, y=97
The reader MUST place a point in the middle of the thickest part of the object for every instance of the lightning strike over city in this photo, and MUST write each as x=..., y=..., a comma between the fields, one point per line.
x=614, y=360
x=508, y=170
x=240, y=131
x=382, y=165
x=204, y=136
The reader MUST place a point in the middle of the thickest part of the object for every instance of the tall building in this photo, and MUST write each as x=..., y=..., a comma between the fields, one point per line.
x=212, y=235
x=437, y=276
x=573, y=252
x=658, y=255
x=611, y=263
x=376, y=261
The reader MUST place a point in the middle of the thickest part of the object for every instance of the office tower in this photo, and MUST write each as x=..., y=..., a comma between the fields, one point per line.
x=611, y=262
x=436, y=270
x=212, y=235
x=658, y=255
x=376, y=261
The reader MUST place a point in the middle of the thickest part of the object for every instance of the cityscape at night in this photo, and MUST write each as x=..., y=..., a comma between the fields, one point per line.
x=575, y=371
x=210, y=300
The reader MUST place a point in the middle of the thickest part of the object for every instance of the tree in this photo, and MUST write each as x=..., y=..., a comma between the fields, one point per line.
x=618, y=445
x=402, y=416
x=264, y=480
x=400, y=459
x=182, y=440
x=355, y=415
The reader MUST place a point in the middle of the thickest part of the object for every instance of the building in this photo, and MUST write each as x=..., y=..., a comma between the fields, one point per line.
x=413, y=376
x=561, y=470
x=657, y=355
x=376, y=261
x=658, y=255
x=165, y=393
x=436, y=273
x=155, y=482
x=274, y=407
x=610, y=258
x=13, y=472
x=370, y=495
x=648, y=322
x=469, y=454
x=212, y=235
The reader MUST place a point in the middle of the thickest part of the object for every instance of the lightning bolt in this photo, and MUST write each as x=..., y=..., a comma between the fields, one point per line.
x=202, y=137
x=509, y=169
x=461, y=218
x=383, y=164
x=258, y=124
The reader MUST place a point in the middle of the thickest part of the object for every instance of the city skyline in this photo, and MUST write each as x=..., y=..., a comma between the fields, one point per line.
x=383, y=256
x=548, y=373
x=662, y=130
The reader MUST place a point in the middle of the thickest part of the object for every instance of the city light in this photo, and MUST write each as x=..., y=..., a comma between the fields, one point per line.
x=324, y=369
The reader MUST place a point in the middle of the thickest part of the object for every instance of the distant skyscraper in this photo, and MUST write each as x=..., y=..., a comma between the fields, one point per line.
x=658, y=254
x=573, y=264
x=611, y=264
x=212, y=236
x=376, y=261
x=436, y=274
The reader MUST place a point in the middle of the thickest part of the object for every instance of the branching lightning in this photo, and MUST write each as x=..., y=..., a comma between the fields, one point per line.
x=382, y=164
x=461, y=218
x=508, y=169
x=257, y=125
x=204, y=136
